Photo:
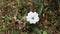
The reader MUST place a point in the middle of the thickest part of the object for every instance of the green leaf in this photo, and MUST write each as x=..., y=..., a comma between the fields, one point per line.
x=58, y=24
x=25, y=32
x=44, y=32
x=6, y=17
x=35, y=29
x=17, y=8
x=40, y=8
x=19, y=17
x=18, y=1
x=58, y=2
x=15, y=32
x=40, y=4
x=2, y=16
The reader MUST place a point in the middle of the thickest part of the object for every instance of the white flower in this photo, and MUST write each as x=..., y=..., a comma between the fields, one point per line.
x=32, y=17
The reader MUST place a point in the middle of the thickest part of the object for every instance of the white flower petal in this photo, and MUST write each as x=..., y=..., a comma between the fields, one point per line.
x=36, y=18
x=35, y=14
x=32, y=21
x=30, y=13
x=28, y=18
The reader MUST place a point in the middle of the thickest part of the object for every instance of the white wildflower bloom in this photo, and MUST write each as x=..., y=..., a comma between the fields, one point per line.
x=32, y=17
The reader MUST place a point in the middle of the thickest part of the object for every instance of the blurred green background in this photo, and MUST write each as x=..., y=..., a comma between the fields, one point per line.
x=13, y=12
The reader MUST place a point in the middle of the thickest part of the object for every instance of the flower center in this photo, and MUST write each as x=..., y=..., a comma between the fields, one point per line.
x=32, y=17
